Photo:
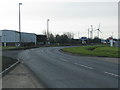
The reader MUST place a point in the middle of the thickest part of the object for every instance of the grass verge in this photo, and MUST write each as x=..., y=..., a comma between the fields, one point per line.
x=10, y=47
x=99, y=50
x=16, y=48
x=7, y=62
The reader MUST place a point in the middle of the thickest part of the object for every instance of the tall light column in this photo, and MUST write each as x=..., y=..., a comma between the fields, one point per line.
x=48, y=30
x=19, y=25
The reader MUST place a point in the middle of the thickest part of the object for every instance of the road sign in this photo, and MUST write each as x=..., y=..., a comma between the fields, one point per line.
x=84, y=38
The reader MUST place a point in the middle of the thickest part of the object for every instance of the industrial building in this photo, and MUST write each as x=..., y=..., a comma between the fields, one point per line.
x=12, y=38
x=41, y=39
x=28, y=39
x=15, y=38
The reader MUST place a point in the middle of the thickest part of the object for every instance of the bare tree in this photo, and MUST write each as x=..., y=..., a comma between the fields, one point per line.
x=44, y=32
x=69, y=34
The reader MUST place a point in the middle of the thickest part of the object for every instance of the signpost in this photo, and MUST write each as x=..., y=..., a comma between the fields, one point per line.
x=83, y=40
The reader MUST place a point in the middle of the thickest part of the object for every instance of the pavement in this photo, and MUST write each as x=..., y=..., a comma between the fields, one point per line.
x=20, y=77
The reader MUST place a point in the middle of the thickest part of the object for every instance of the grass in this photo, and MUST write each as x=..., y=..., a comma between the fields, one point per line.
x=10, y=47
x=7, y=62
x=99, y=50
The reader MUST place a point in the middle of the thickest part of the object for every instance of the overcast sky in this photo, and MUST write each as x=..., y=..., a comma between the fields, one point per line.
x=74, y=16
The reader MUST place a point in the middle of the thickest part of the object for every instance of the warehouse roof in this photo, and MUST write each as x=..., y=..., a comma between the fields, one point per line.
x=16, y=31
x=8, y=30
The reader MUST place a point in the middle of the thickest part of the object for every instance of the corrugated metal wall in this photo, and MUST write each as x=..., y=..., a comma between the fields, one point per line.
x=28, y=37
x=10, y=36
x=13, y=36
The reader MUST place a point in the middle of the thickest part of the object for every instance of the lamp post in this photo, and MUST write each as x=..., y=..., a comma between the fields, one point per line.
x=19, y=25
x=48, y=31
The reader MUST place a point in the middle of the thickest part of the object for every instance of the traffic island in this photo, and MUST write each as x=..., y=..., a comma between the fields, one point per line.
x=98, y=50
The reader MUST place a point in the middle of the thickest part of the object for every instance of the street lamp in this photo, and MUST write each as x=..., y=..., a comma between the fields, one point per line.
x=48, y=30
x=19, y=25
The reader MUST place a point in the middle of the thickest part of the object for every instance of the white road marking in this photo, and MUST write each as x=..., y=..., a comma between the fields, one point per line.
x=83, y=65
x=112, y=74
x=64, y=60
x=76, y=63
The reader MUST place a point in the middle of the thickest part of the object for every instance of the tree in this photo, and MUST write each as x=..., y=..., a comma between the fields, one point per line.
x=96, y=40
x=70, y=35
x=52, y=38
x=57, y=38
x=64, y=39
x=44, y=32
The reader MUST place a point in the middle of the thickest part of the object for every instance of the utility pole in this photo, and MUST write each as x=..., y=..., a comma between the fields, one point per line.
x=19, y=25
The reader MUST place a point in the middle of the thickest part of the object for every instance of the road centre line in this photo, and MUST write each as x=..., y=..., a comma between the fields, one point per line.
x=92, y=68
x=63, y=60
x=83, y=66
x=78, y=64
x=112, y=74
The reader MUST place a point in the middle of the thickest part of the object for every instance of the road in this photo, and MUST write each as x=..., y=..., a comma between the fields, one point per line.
x=59, y=70
x=11, y=53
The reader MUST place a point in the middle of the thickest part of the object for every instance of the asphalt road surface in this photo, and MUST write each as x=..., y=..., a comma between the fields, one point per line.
x=11, y=53
x=59, y=70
